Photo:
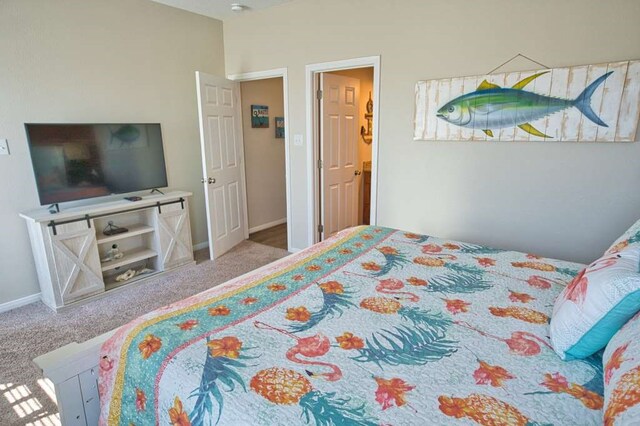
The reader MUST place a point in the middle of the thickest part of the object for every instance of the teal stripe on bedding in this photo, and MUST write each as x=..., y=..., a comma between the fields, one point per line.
x=600, y=334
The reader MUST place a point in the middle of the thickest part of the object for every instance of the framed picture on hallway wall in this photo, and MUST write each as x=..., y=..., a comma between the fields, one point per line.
x=259, y=116
x=279, y=127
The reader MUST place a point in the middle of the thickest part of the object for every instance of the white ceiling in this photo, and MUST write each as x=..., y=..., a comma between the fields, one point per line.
x=220, y=9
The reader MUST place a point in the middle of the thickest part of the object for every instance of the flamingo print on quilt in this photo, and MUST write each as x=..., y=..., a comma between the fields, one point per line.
x=373, y=326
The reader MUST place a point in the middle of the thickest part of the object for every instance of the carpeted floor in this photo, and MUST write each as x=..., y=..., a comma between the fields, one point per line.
x=32, y=330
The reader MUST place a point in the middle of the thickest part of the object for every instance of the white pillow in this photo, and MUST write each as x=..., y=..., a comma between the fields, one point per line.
x=596, y=304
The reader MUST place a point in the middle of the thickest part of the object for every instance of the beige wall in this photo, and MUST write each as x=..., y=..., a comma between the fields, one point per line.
x=565, y=200
x=264, y=154
x=96, y=61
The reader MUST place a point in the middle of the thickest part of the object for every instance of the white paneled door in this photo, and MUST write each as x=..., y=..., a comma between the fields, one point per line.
x=222, y=160
x=340, y=167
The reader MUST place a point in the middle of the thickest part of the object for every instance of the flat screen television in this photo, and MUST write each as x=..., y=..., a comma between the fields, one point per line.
x=78, y=161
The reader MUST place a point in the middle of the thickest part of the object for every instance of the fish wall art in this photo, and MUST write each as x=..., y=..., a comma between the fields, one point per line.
x=588, y=103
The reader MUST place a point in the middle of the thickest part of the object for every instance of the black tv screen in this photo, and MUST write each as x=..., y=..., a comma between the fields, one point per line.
x=78, y=161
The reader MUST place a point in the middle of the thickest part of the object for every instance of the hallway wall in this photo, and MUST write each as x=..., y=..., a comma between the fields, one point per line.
x=264, y=155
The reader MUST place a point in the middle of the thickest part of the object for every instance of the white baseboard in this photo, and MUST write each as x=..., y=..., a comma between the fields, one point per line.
x=201, y=245
x=294, y=250
x=4, y=307
x=267, y=225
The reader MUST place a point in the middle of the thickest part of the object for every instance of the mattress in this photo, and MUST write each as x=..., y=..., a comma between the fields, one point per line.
x=372, y=326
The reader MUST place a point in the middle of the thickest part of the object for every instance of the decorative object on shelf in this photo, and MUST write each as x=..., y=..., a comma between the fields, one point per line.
x=112, y=229
x=126, y=276
x=587, y=103
x=144, y=271
x=259, y=116
x=280, y=127
x=367, y=134
x=130, y=273
x=113, y=253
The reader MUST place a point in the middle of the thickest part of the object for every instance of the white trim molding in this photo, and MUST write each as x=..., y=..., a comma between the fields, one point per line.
x=23, y=301
x=312, y=134
x=275, y=73
x=267, y=225
x=201, y=245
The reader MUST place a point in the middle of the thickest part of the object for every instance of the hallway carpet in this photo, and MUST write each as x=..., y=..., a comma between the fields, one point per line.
x=32, y=330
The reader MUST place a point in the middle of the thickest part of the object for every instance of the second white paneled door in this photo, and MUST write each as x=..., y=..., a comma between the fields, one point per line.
x=222, y=160
x=339, y=135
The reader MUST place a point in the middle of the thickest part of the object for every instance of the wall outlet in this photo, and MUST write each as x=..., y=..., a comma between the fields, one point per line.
x=4, y=147
x=298, y=140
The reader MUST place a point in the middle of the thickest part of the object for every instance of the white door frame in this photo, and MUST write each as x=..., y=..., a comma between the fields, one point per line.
x=311, y=87
x=262, y=75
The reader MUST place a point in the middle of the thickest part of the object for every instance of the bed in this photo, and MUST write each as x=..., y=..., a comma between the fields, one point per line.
x=373, y=326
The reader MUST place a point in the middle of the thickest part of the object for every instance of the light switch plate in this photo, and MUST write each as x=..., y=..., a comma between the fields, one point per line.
x=4, y=147
x=298, y=140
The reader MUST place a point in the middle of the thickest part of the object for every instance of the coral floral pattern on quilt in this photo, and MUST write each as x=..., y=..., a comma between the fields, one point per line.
x=373, y=326
x=622, y=376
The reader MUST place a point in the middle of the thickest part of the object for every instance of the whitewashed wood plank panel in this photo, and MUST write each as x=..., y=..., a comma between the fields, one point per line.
x=456, y=90
x=630, y=105
x=615, y=101
x=508, y=133
x=498, y=80
x=478, y=134
x=559, y=86
x=521, y=135
x=588, y=129
x=431, y=122
x=540, y=86
x=571, y=116
x=469, y=84
x=421, y=107
x=444, y=89
x=611, y=99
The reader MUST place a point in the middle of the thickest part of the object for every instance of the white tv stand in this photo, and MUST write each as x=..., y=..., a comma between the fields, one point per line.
x=68, y=246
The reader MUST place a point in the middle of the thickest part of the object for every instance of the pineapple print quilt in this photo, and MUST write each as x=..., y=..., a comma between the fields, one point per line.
x=622, y=376
x=374, y=326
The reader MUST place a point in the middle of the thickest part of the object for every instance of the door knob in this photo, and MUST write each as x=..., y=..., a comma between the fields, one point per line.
x=357, y=173
x=208, y=180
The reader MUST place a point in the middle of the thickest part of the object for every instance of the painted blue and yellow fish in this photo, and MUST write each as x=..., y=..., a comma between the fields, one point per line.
x=494, y=107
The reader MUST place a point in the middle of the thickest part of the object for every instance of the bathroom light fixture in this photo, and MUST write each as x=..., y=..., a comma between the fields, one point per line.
x=237, y=7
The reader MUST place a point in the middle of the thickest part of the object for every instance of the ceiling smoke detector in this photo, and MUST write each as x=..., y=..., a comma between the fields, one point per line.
x=237, y=7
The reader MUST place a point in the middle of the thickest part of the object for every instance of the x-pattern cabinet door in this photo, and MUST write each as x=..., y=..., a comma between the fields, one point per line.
x=174, y=235
x=77, y=261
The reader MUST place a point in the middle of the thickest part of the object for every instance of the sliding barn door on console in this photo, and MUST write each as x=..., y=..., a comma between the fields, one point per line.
x=339, y=134
x=77, y=261
x=222, y=161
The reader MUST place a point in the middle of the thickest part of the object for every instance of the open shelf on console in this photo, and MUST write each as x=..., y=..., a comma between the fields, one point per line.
x=110, y=282
x=129, y=257
x=133, y=230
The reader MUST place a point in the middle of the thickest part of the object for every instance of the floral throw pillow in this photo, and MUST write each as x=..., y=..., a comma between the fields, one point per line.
x=596, y=304
x=621, y=362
